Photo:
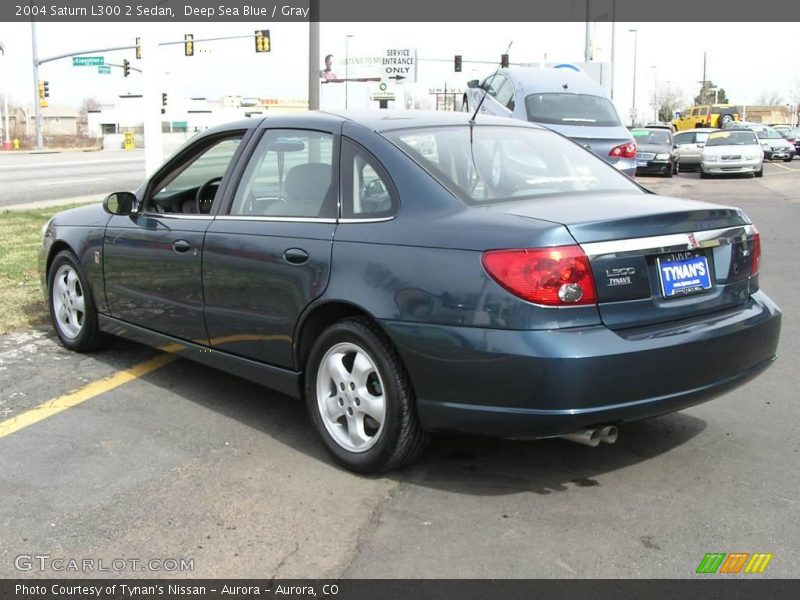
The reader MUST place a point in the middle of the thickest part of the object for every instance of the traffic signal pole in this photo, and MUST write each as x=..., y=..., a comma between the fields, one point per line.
x=151, y=100
x=38, y=109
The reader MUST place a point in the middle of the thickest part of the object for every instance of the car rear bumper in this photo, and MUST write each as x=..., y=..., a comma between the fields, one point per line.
x=528, y=384
x=654, y=166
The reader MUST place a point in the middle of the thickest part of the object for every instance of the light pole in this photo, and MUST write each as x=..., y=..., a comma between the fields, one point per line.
x=635, y=33
x=655, y=93
x=5, y=97
x=346, y=65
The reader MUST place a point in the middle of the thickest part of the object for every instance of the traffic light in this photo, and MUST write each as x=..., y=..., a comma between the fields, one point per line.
x=458, y=63
x=44, y=92
x=138, y=48
x=262, y=40
x=188, y=45
x=126, y=67
x=504, y=61
x=163, y=102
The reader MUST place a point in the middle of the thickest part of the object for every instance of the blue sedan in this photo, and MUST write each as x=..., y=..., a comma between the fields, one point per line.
x=407, y=272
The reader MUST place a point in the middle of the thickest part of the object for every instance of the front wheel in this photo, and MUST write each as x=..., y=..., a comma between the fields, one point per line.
x=72, y=308
x=760, y=172
x=360, y=399
x=703, y=174
x=787, y=159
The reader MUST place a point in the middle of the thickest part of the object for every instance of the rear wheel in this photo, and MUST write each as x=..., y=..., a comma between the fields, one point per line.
x=72, y=307
x=360, y=399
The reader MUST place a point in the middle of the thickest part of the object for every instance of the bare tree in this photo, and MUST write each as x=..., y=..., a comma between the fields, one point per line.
x=669, y=100
x=772, y=98
x=87, y=105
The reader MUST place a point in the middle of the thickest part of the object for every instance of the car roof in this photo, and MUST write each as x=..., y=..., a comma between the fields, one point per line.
x=551, y=80
x=388, y=120
x=699, y=129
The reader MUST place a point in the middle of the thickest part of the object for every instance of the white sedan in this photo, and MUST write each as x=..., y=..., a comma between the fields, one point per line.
x=732, y=151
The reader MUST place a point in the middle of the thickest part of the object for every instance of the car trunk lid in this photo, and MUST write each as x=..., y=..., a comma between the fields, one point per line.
x=655, y=259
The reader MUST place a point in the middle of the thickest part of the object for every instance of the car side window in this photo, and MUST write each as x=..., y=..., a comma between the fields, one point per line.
x=684, y=138
x=490, y=85
x=192, y=187
x=704, y=111
x=695, y=112
x=367, y=190
x=505, y=92
x=290, y=174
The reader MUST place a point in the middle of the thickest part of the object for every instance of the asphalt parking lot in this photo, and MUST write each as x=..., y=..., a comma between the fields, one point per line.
x=184, y=462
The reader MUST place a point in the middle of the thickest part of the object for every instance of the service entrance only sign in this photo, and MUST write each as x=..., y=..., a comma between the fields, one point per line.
x=400, y=64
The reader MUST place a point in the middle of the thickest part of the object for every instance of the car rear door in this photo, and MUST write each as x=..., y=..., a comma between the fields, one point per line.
x=267, y=255
x=688, y=148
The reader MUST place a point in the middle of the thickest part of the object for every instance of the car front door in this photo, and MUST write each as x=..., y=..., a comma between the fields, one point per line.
x=268, y=255
x=152, y=258
x=688, y=150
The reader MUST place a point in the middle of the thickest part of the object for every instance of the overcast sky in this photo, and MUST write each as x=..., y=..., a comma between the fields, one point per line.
x=668, y=53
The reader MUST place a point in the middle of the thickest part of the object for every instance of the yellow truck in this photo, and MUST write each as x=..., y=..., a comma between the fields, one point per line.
x=706, y=115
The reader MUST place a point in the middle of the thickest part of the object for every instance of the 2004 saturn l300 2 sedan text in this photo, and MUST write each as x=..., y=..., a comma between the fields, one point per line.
x=413, y=272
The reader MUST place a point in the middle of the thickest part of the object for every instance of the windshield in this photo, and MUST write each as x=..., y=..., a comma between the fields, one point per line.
x=571, y=109
x=732, y=138
x=649, y=136
x=507, y=163
x=767, y=133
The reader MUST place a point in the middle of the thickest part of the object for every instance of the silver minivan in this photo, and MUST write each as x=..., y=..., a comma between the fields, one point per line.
x=562, y=99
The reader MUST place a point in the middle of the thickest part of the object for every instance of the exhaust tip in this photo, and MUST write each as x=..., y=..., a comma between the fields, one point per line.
x=587, y=437
x=609, y=434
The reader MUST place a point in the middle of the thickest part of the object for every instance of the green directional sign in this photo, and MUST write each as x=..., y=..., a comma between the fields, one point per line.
x=104, y=70
x=88, y=61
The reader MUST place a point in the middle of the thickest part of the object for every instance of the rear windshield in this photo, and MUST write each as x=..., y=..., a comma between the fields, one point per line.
x=650, y=136
x=508, y=163
x=571, y=109
x=732, y=138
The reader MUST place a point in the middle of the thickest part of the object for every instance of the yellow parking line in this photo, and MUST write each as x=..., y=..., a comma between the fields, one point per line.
x=57, y=405
x=783, y=167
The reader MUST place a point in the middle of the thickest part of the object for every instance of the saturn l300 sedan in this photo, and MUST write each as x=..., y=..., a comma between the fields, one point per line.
x=404, y=273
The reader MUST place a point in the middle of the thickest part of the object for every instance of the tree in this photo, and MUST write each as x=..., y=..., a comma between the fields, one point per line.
x=669, y=100
x=87, y=105
x=772, y=98
x=709, y=93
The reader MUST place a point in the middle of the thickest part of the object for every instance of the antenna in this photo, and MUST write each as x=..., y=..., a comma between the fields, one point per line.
x=485, y=92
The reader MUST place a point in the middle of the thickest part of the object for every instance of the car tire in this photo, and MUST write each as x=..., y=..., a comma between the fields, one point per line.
x=703, y=174
x=676, y=168
x=759, y=173
x=725, y=120
x=72, y=308
x=787, y=159
x=668, y=172
x=360, y=399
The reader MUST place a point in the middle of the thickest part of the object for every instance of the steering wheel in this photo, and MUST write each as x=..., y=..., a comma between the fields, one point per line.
x=203, y=203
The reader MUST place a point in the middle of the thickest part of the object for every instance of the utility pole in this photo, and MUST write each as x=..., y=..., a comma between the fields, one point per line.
x=37, y=108
x=313, y=55
x=613, y=42
x=588, y=37
x=635, y=33
x=151, y=100
x=703, y=88
x=5, y=98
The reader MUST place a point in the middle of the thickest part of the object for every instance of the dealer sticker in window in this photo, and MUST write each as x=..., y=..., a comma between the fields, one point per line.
x=683, y=275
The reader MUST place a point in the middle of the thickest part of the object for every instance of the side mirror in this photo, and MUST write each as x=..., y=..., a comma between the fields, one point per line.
x=119, y=203
x=473, y=83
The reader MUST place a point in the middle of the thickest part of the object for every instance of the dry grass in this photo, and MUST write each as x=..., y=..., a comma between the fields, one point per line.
x=21, y=301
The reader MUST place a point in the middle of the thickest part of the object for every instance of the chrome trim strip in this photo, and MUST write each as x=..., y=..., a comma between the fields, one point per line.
x=662, y=244
x=367, y=220
x=277, y=219
x=177, y=216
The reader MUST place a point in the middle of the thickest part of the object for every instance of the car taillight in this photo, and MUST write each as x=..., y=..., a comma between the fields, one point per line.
x=559, y=276
x=626, y=150
x=756, y=253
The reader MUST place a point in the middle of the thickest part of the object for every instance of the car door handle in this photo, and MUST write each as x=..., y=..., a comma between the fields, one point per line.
x=181, y=246
x=295, y=256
